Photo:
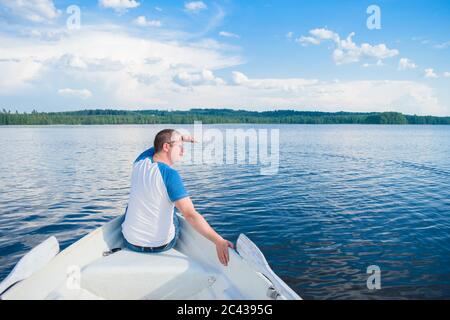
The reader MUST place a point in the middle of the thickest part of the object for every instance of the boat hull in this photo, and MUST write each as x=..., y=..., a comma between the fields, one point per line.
x=81, y=271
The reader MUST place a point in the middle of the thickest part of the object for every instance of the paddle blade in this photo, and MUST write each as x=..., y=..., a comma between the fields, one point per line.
x=33, y=261
x=251, y=253
x=256, y=260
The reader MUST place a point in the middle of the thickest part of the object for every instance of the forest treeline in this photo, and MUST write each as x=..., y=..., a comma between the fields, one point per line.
x=211, y=116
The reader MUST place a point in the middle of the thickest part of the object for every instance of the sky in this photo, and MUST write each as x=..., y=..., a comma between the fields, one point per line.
x=346, y=55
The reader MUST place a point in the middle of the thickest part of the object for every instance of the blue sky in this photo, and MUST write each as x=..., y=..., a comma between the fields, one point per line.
x=257, y=55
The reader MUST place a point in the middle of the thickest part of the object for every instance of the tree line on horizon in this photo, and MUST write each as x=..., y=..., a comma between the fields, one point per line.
x=211, y=116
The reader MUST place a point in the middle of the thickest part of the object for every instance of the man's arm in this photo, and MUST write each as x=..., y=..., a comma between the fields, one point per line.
x=199, y=223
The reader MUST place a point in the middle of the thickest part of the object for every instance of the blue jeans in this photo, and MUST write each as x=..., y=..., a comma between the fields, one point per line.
x=167, y=247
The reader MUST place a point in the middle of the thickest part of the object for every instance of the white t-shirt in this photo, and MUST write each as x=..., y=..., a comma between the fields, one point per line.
x=155, y=187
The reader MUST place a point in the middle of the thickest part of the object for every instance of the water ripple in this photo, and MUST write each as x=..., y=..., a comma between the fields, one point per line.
x=345, y=198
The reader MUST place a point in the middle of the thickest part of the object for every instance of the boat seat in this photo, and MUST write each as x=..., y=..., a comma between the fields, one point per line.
x=132, y=275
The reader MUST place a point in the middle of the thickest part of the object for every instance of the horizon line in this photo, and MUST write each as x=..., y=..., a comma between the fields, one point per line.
x=224, y=109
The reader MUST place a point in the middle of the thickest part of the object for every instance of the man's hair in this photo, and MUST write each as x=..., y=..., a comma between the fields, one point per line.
x=164, y=136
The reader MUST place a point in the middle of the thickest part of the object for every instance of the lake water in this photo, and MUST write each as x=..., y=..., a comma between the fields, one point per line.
x=345, y=197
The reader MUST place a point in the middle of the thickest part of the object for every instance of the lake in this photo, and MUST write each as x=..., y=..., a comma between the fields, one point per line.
x=345, y=197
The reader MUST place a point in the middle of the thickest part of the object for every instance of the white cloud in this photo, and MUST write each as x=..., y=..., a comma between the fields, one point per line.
x=239, y=78
x=347, y=51
x=195, y=6
x=429, y=73
x=359, y=96
x=51, y=34
x=99, y=58
x=289, y=35
x=143, y=22
x=176, y=74
x=214, y=21
x=33, y=10
x=405, y=64
x=379, y=63
x=447, y=74
x=158, y=9
x=83, y=93
x=119, y=5
x=324, y=34
x=380, y=51
x=212, y=44
x=227, y=34
x=17, y=74
x=307, y=40
x=286, y=85
x=71, y=61
x=205, y=77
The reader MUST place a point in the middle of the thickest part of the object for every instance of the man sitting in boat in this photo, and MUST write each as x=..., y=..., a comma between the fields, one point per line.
x=156, y=189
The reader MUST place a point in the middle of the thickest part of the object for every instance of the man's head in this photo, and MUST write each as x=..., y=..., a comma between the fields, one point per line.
x=168, y=143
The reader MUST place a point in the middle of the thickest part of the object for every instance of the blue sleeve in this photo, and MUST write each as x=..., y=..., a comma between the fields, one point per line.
x=146, y=154
x=174, y=184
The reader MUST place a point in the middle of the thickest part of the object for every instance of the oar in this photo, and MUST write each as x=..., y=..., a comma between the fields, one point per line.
x=33, y=261
x=256, y=260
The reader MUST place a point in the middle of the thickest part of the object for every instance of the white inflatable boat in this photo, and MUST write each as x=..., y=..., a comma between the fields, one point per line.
x=94, y=268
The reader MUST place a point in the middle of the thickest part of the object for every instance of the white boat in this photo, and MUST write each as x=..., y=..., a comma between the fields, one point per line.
x=89, y=269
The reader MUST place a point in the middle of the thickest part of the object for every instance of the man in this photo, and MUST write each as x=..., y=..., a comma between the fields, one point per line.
x=156, y=189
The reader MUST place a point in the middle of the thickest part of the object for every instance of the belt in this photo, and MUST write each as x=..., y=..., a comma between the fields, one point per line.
x=144, y=249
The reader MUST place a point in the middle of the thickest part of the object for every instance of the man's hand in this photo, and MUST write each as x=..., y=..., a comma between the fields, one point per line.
x=222, y=250
x=188, y=139
x=199, y=223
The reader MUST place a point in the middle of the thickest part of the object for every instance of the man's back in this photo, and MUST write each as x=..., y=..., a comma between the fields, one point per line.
x=155, y=187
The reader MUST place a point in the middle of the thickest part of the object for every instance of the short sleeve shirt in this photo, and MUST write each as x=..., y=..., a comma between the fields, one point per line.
x=155, y=187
